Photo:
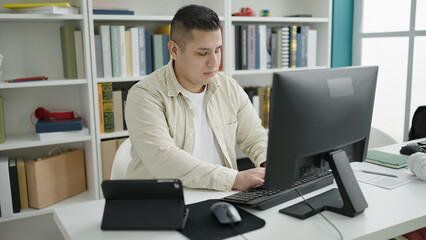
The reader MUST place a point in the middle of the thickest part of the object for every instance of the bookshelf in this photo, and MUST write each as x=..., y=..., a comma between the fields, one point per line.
x=31, y=45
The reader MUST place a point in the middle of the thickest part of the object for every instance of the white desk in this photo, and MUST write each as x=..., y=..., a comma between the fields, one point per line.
x=390, y=213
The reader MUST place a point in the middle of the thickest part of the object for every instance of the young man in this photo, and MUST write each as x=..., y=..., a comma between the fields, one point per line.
x=185, y=118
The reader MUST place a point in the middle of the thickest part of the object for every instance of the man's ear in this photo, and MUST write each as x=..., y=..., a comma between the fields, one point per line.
x=173, y=49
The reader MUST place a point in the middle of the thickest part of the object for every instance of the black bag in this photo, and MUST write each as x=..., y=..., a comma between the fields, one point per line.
x=418, y=126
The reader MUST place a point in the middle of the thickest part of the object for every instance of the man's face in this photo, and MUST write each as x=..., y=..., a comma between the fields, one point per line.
x=198, y=63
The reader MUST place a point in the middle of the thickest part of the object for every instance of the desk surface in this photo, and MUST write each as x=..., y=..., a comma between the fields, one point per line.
x=390, y=213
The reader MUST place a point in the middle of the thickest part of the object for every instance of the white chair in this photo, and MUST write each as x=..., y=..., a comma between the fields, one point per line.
x=122, y=159
x=378, y=138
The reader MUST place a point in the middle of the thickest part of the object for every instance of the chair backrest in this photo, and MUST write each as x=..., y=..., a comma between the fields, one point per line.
x=121, y=160
x=378, y=138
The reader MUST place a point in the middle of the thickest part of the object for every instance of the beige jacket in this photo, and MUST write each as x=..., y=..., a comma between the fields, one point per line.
x=160, y=121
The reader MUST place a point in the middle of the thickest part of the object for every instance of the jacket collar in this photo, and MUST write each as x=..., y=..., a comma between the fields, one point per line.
x=173, y=86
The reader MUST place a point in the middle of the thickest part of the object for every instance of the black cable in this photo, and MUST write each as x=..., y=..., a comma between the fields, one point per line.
x=334, y=226
x=235, y=228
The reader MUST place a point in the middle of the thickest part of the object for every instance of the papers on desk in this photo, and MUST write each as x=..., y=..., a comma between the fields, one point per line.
x=402, y=176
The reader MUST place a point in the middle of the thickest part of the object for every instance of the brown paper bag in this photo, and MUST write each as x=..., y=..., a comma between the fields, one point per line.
x=55, y=178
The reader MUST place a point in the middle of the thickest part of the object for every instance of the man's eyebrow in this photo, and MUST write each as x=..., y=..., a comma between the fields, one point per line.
x=205, y=48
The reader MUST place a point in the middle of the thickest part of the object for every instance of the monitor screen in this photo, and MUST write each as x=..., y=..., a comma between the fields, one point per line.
x=314, y=113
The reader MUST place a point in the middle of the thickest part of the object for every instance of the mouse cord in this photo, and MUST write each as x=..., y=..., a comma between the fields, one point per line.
x=334, y=226
x=236, y=229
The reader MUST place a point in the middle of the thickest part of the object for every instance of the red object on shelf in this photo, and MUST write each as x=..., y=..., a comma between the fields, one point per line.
x=244, y=12
x=27, y=79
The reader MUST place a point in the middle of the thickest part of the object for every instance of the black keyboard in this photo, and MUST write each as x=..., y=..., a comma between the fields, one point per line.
x=262, y=199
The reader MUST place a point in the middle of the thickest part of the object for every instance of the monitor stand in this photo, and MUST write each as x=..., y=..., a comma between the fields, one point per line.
x=347, y=200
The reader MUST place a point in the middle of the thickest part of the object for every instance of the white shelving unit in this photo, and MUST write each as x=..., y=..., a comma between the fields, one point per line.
x=31, y=45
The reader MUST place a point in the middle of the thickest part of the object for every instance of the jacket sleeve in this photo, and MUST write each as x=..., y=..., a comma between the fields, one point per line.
x=150, y=137
x=252, y=138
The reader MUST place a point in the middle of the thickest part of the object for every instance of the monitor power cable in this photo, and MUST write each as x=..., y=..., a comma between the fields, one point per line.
x=334, y=226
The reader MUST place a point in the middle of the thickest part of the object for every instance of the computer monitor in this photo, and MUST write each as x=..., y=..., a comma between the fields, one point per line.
x=320, y=120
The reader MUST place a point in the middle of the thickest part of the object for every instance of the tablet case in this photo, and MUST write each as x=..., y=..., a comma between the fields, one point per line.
x=143, y=205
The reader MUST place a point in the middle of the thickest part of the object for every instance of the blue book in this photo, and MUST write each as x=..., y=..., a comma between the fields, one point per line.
x=148, y=52
x=166, y=54
x=113, y=11
x=257, y=51
x=47, y=125
x=301, y=38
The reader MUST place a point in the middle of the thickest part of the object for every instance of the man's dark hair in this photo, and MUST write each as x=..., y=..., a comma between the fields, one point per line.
x=192, y=17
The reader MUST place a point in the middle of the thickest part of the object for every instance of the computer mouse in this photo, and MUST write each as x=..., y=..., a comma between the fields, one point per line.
x=410, y=149
x=225, y=213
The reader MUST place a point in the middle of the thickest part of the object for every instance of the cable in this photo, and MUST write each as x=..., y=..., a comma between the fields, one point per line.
x=334, y=226
x=236, y=229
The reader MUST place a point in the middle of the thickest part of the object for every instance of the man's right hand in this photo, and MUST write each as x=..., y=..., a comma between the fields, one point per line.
x=249, y=179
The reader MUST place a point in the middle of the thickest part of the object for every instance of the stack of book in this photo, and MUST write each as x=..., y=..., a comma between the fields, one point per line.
x=260, y=98
x=47, y=129
x=131, y=51
x=43, y=8
x=72, y=52
x=111, y=108
x=13, y=186
x=265, y=47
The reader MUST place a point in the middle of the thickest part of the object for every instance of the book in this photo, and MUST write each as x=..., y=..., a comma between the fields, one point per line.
x=113, y=11
x=311, y=50
x=251, y=46
x=385, y=159
x=274, y=50
x=108, y=107
x=104, y=31
x=118, y=110
x=79, y=55
x=285, y=47
x=116, y=51
x=237, y=43
x=257, y=50
x=29, y=5
x=293, y=46
x=69, y=61
x=134, y=42
x=141, y=57
x=166, y=54
x=14, y=185
x=47, y=125
x=48, y=10
x=301, y=38
x=22, y=181
x=2, y=126
x=129, y=58
x=157, y=51
x=62, y=134
x=264, y=104
x=123, y=50
x=244, y=47
x=6, y=205
x=99, y=57
x=165, y=29
x=101, y=111
x=148, y=52
x=124, y=92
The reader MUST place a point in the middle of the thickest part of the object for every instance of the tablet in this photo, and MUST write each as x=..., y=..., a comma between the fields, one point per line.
x=143, y=205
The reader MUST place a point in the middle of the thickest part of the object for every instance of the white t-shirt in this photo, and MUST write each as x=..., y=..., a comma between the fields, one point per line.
x=205, y=147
